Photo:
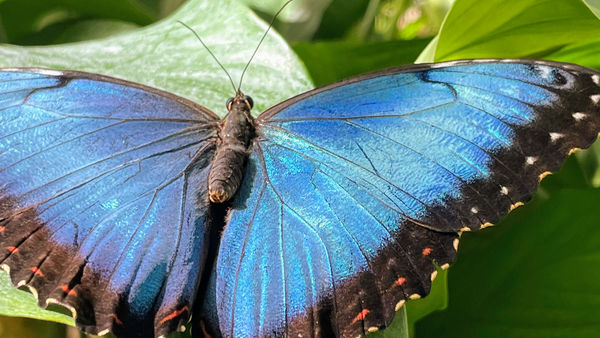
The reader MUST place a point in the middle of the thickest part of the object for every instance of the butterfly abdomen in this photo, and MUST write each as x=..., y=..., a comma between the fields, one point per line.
x=236, y=133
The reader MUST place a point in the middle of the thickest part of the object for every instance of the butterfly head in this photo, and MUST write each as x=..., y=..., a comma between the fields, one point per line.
x=239, y=102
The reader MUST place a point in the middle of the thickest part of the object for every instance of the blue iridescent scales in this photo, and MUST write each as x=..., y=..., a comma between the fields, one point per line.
x=352, y=193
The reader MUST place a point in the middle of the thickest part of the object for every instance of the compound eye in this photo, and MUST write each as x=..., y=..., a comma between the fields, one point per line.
x=228, y=103
x=249, y=101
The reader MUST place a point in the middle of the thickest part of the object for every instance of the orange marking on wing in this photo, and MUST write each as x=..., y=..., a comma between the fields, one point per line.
x=361, y=315
x=69, y=292
x=427, y=251
x=2, y=228
x=174, y=314
x=117, y=320
x=400, y=281
x=12, y=249
x=37, y=271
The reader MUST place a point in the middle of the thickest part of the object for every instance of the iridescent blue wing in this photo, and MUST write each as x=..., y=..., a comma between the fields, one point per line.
x=354, y=191
x=103, y=205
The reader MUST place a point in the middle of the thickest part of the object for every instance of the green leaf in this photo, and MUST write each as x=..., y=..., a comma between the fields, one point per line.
x=18, y=303
x=78, y=30
x=436, y=300
x=398, y=329
x=168, y=56
x=13, y=327
x=299, y=21
x=341, y=17
x=594, y=6
x=328, y=62
x=532, y=276
x=505, y=29
x=584, y=53
x=428, y=54
x=21, y=19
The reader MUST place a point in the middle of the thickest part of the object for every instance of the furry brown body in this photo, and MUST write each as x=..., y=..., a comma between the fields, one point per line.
x=236, y=134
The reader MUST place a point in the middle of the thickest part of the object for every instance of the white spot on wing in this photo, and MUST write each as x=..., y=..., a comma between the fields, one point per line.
x=596, y=79
x=529, y=160
x=399, y=305
x=555, y=136
x=474, y=210
x=103, y=332
x=595, y=98
x=544, y=71
x=433, y=275
x=579, y=116
x=504, y=190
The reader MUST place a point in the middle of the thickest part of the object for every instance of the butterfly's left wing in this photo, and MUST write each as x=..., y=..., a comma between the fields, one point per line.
x=354, y=191
x=103, y=203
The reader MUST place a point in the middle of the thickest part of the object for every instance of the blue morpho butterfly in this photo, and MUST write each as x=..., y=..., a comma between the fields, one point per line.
x=320, y=217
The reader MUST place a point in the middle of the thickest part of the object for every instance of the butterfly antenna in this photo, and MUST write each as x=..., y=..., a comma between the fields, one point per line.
x=260, y=42
x=211, y=53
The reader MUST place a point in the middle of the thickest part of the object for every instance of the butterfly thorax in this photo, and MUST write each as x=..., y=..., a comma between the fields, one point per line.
x=235, y=136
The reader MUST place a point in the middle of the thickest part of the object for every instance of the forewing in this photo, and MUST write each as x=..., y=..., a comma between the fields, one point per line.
x=103, y=205
x=355, y=191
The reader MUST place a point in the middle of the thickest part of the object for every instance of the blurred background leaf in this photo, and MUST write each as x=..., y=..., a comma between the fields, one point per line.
x=531, y=276
x=338, y=60
x=594, y=6
x=168, y=56
x=42, y=22
x=508, y=29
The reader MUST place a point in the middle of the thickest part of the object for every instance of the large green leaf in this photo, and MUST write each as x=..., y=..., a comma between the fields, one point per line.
x=340, y=18
x=328, y=62
x=299, y=21
x=533, y=276
x=585, y=53
x=19, y=19
x=505, y=29
x=19, y=303
x=594, y=6
x=168, y=56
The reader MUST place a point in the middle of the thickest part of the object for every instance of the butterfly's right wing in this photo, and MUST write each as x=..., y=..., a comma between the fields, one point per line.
x=354, y=190
x=103, y=203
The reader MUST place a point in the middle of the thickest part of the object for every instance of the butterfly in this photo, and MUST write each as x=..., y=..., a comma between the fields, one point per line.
x=322, y=216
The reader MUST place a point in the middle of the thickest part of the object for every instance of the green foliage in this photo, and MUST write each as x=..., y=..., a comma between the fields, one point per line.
x=532, y=275
x=508, y=29
x=168, y=56
x=20, y=303
x=335, y=61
